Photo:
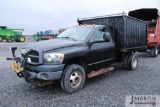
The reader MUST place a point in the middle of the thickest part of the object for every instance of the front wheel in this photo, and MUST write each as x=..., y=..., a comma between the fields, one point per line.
x=73, y=78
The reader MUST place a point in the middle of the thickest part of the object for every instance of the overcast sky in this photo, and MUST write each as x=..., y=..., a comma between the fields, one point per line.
x=41, y=15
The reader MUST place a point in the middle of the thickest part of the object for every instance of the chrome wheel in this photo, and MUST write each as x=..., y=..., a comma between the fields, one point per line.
x=132, y=61
x=135, y=61
x=156, y=51
x=75, y=79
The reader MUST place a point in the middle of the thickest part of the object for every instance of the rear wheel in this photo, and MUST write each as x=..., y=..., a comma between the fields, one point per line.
x=154, y=51
x=21, y=38
x=125, y=61
x=130, y=61
x=73, y=78
x=1, y=38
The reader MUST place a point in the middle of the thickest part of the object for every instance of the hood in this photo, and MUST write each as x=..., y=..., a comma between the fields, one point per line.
x=52, y=44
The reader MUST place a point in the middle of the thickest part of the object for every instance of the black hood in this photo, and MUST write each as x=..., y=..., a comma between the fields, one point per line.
x=52, y=44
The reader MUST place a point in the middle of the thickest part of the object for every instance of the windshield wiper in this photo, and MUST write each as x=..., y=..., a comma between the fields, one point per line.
x=69, y=38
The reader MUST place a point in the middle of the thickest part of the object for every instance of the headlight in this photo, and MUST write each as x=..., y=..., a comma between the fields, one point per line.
x=53, y=57
x=24, y=51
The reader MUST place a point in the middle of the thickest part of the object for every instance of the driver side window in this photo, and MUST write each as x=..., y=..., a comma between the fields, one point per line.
x=98, y=34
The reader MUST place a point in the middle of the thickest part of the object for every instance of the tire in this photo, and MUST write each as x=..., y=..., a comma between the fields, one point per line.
x=154, y=52
x=125, y=61
x=21, y=38
x=9, y=40
x=132, y=62
x=1, y=38
x=73, y=78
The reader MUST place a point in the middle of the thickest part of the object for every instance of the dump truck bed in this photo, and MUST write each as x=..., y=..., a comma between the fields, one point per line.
x=130, y=33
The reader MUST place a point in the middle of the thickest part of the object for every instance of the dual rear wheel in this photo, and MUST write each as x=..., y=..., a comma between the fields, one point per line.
x=130, y=61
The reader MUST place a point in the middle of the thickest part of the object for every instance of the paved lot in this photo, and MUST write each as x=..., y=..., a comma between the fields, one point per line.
x=107, y=90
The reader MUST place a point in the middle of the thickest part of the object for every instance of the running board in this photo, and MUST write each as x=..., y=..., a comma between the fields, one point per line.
x=95, y=73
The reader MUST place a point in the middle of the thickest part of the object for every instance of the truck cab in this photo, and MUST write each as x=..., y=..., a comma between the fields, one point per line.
x=94, y=44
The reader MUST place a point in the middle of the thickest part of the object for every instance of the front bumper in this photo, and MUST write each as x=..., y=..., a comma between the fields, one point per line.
x=45, y=72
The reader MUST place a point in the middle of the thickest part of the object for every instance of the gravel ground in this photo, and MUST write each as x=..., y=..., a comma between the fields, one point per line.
x=107, y=90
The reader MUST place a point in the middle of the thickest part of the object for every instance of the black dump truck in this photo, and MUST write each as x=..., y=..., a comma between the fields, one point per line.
x=86, y=50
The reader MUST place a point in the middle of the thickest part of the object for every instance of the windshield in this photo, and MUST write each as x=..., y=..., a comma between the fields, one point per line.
x=79, y=33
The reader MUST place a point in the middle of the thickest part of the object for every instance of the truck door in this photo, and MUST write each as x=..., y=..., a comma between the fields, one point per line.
x=101, y=53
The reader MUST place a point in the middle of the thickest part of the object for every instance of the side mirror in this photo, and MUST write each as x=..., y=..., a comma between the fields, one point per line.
x=106, y=37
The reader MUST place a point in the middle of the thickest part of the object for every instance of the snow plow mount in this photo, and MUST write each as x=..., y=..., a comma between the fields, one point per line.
x=18, y=65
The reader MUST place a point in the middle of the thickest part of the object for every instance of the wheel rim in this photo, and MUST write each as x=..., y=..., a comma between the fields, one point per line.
x=156, y=51
x=75, y=79
x=135, y=61
x=21, y=38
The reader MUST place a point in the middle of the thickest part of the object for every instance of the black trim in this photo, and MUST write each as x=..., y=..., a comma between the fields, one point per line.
x=100, y=61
